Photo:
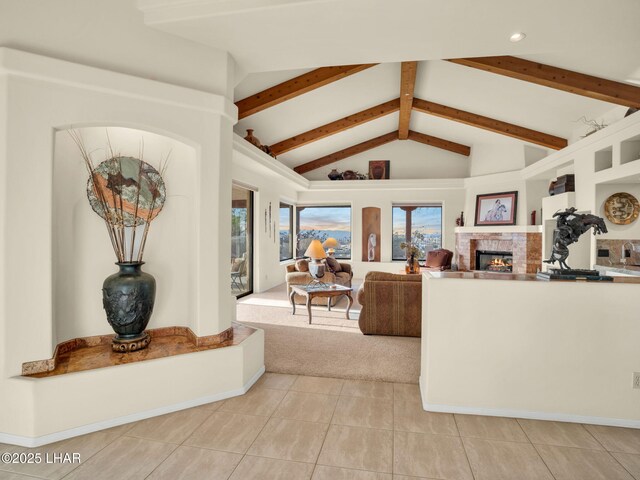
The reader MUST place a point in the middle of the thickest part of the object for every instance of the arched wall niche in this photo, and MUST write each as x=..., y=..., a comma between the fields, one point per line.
x=82, y=256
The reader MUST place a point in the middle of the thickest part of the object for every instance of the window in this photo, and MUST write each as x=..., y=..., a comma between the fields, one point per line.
x=322, y=223
x=286, y=231
x=241, y=241
x=420, y=224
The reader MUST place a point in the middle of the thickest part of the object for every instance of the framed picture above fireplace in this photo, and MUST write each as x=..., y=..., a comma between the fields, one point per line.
x=496, y=208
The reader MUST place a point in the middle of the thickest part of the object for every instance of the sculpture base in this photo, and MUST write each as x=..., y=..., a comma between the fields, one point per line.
x=125, y=345
x=574, y=274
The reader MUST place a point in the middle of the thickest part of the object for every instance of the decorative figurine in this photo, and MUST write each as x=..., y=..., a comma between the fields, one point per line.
x=569, y=227
x=371, y=247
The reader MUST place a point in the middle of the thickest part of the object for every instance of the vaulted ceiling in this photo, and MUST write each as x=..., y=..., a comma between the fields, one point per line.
x=455, y=105
x=275, y=41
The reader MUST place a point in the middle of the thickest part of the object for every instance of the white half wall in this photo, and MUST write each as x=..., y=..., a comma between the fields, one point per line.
x=533, y=349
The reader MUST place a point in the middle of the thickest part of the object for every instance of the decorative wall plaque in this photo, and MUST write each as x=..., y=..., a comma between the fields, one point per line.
x=621, y=208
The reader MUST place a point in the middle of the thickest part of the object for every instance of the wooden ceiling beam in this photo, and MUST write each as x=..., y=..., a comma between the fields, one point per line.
x=347, y=152
x=336, y=127
x=407, y=85
x=295, y=87
x=558, y=78
x=439, y=143
x=490, y=124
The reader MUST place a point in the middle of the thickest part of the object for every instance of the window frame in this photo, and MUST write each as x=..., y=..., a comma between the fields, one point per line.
x=291, y=208
x=251, y=218
x=300, y=208
x=417, y=205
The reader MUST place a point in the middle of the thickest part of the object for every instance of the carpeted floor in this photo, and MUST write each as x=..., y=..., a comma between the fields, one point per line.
x=332, y=346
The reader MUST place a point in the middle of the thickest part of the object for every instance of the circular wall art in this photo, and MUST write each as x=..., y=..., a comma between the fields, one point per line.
x=621, y=208
x=126, y=191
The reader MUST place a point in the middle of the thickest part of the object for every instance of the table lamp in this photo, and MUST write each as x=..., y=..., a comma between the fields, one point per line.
x=316, y=253
x=330, y=244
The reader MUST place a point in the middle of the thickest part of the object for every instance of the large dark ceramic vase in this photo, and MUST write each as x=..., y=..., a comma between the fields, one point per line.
x=128, y=297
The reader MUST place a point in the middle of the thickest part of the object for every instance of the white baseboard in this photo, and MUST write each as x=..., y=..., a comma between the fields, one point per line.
x=503, y=412
x=134, y=417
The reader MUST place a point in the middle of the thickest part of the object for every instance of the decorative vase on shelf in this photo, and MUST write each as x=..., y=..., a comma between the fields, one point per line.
x=128, y=194
x=334, y=175
x=128, y=297
x=413, y=265
x=252, y=139
x=349, y=175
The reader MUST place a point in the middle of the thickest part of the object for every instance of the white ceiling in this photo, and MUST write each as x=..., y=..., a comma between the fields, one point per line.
x=281, y=39
x=592, y=36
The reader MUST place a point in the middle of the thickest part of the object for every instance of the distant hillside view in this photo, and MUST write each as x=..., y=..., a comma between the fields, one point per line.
x=324, y=222
x=425, y=227
x=343, y=250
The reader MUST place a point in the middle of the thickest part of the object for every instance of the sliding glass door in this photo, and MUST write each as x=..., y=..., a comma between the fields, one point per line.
x=241, y=241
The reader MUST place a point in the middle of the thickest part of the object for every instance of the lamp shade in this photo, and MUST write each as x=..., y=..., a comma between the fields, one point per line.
x=330, y=243
x=315, y=250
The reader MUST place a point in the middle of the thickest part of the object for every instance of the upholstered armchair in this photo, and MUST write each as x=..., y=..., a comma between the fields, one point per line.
x=296, y=275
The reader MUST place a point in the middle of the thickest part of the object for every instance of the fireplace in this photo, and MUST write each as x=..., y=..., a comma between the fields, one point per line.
x=494, y=261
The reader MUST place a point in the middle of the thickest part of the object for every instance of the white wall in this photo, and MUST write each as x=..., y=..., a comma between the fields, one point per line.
x=496, y=158
x=270, y=188
x=409, y=160
x=451, y=198
x=82, y=253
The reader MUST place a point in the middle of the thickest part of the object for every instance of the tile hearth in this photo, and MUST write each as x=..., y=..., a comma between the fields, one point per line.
x=300, y=428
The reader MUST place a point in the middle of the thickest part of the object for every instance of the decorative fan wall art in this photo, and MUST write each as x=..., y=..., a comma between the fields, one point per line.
x=621, y=208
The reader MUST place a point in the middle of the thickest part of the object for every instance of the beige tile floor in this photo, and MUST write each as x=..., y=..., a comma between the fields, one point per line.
x=290, y=427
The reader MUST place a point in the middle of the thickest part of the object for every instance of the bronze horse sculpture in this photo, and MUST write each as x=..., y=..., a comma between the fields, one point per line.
x=569, y=227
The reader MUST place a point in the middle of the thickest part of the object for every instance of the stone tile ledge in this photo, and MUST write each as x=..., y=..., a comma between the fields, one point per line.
x=87, y=353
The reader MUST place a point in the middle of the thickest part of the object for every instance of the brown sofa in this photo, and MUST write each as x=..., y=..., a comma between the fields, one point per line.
x=391, y=304
x=294, y=277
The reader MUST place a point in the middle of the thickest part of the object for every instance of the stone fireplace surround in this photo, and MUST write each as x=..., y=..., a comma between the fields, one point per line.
x=526, y=248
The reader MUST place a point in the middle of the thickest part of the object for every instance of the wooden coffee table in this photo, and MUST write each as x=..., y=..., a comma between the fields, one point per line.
x=313, y=290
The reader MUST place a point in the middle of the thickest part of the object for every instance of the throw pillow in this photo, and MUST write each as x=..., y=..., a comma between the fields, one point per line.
x=333, y=265
x=437, y=258
x=236, y=264
x=302, y=265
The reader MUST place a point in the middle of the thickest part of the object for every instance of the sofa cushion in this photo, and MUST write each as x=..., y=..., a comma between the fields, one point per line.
x=333, y=265
x=236, y=264
x=302, y=265
x=343, y=278
x=392, y=277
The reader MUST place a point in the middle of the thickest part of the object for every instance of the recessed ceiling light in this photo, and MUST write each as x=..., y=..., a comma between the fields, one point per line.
x=516, y=37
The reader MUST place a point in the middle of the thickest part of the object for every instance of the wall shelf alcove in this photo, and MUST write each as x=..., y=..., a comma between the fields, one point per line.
x=59, y=252
x=82, y=253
